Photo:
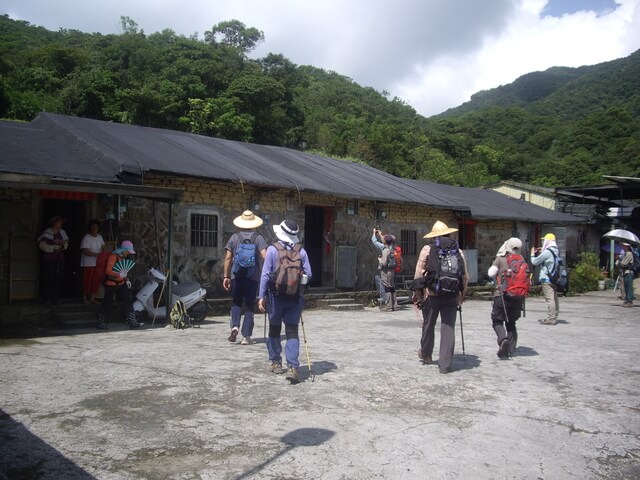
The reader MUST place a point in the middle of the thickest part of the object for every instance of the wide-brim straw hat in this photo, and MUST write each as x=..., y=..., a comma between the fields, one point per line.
x=248, y=220
x=287, y=231
x=439, y=229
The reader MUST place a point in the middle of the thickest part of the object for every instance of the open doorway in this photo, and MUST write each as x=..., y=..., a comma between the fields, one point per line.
x=314, y=218
x=76, y=213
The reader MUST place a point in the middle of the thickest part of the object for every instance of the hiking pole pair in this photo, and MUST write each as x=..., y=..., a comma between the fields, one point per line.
x=464, y=356
x=306, y=348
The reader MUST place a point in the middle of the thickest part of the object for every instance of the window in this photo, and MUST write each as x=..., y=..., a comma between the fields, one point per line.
x=204, y=230
x=409, y=242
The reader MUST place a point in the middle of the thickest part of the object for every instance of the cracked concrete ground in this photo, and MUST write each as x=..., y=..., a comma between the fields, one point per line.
x=166, y=404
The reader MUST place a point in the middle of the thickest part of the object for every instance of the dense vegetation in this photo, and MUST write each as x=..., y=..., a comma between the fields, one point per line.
x=562, y=126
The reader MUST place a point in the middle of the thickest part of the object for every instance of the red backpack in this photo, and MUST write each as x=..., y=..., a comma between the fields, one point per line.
x=397, y=253
x=515, y=281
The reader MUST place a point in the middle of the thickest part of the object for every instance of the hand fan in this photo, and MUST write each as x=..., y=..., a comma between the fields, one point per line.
x=123, y=266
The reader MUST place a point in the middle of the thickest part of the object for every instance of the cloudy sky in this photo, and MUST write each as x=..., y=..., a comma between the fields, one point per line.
x=434, y=54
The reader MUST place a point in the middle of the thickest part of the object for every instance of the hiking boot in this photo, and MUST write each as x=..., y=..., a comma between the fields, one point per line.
x=233, y=335
x=503, y=351
x=628, y=305
x=101, y=325
x=247, y=341
x=293, y=376
x=426, y=359
x=549, y=322
x=276, y=367
x=132, y=321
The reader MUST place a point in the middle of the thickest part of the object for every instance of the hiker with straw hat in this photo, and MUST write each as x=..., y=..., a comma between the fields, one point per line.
x=285, y=273
x=244, y=251
x=441, y=280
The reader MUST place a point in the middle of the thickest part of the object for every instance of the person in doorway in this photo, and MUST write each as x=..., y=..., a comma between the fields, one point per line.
x=244, y=252
x=91, y=247
x=285, y=273
x=53, y=243
x=506, y=309
x=386, y=267
x=440, y=285
x=118, y=285
x=625, y=264
x=547, y=258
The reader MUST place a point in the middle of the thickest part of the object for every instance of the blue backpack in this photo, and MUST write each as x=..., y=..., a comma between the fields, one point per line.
x=244, y=258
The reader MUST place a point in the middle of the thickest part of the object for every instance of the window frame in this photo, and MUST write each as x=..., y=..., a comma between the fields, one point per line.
x=215, y=233
x=409, y=241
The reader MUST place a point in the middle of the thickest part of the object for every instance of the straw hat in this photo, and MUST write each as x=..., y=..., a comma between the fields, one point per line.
x=247, y=221
x=287, y=231
x=439, y=229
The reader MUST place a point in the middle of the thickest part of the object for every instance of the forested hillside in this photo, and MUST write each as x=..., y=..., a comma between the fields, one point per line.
x=562, y=126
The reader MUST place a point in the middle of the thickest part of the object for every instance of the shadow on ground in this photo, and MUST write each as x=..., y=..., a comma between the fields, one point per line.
x=24, y=456
x=301, y=437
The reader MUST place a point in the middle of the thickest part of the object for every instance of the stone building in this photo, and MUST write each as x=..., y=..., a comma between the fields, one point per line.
x=175, y=195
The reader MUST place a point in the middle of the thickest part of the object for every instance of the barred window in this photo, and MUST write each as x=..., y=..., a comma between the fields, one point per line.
x=409, y=242
x=204, y=230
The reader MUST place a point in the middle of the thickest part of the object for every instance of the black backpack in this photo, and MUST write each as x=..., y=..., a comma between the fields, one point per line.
x=445, y=268
x=560, y=275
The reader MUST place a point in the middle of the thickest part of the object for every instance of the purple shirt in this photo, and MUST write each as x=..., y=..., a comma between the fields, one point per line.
x=271, y=262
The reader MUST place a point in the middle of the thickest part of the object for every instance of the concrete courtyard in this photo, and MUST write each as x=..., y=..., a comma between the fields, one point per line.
x=166, y=404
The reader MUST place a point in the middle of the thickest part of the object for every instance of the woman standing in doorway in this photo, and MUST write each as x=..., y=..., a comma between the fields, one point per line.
x=91, y=247
x=53, y=242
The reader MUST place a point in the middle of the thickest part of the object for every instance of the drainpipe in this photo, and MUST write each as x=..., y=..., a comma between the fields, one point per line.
x=169, y=262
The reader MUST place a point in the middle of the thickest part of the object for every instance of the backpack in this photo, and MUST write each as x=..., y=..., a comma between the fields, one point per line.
x=397, y=254
x=244, y=258
x=635, y=266
x=445, y=268
x=179, y=317
x=560, y=275
x=515, y=281
x=392, y=263
x=285, y=279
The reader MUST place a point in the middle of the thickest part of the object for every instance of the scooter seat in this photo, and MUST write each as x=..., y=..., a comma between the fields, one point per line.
x=184, y=289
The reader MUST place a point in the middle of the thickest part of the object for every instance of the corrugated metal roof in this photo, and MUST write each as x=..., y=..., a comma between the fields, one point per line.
x=78, y=148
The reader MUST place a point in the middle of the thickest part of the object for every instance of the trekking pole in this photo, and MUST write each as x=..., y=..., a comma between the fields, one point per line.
x=464, y=356
x=306, y=348
x=155, y=311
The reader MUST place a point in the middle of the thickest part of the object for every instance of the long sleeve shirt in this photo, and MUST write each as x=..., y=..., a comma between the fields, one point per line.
x=376, y=242
x=548, y=262
x=626, y=262
x=271, y=263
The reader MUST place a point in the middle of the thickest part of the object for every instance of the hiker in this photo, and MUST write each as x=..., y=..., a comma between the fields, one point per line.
x=387, y=268
x=547, y=258
x=285, y=272
x=512, y=285
x=625, y=263
x=91, y=247
x=441, y=280
x=242, y=272
x=53, y=243
x=117, y=284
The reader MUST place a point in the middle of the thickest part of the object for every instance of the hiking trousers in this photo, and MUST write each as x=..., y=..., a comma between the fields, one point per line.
x=551, y=297
x=243, y=290
x=504, y=313
x=284, y=310
x=628, y=287
x=446, y=308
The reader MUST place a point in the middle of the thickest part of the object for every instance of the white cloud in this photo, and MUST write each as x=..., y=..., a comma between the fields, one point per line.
x=432, y=53
x=529, y=43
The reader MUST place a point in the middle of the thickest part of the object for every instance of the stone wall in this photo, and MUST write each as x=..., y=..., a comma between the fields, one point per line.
x=227, y=200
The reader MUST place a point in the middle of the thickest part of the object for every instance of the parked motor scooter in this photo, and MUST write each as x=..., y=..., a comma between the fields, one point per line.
x=191, y=294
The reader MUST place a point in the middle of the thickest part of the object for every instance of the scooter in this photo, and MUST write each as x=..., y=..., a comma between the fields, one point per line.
x=191, y=294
